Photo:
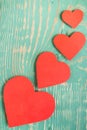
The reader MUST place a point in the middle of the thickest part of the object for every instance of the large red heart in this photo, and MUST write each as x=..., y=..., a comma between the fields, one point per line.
x=50, y=71
x=72, y=18
x=23, y=105
x=69, y=46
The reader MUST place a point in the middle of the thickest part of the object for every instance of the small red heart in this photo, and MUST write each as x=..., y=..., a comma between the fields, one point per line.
x=72, y=18
x=50, y=71
x=69, y=46
x=23, y=105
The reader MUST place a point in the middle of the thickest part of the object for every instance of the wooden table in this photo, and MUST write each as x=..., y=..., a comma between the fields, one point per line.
x=27, y=28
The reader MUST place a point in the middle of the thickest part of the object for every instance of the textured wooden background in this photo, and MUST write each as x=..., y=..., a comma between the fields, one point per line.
x=27, y=28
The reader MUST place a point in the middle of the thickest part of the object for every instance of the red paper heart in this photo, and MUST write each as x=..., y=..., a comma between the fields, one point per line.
x=50, y=71
x=23, y=105
x=72, y=18
x=69, y=46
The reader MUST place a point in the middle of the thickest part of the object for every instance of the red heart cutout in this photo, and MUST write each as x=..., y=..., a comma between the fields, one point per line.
x=72, y=18
x=23, y=105
x=50, y=71
x=69, y=46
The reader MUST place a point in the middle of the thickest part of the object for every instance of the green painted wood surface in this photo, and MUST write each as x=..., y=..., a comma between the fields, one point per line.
x=27, y=28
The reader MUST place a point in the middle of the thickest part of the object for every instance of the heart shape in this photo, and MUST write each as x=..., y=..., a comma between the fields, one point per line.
x=49, y=71
x=23, y=105
x=69, y=46
x=72, y=18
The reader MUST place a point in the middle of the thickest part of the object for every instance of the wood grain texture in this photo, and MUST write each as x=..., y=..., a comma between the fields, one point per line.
x=27, y=28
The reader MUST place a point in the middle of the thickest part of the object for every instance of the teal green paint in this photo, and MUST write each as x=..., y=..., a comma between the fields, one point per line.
x=18, y=52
